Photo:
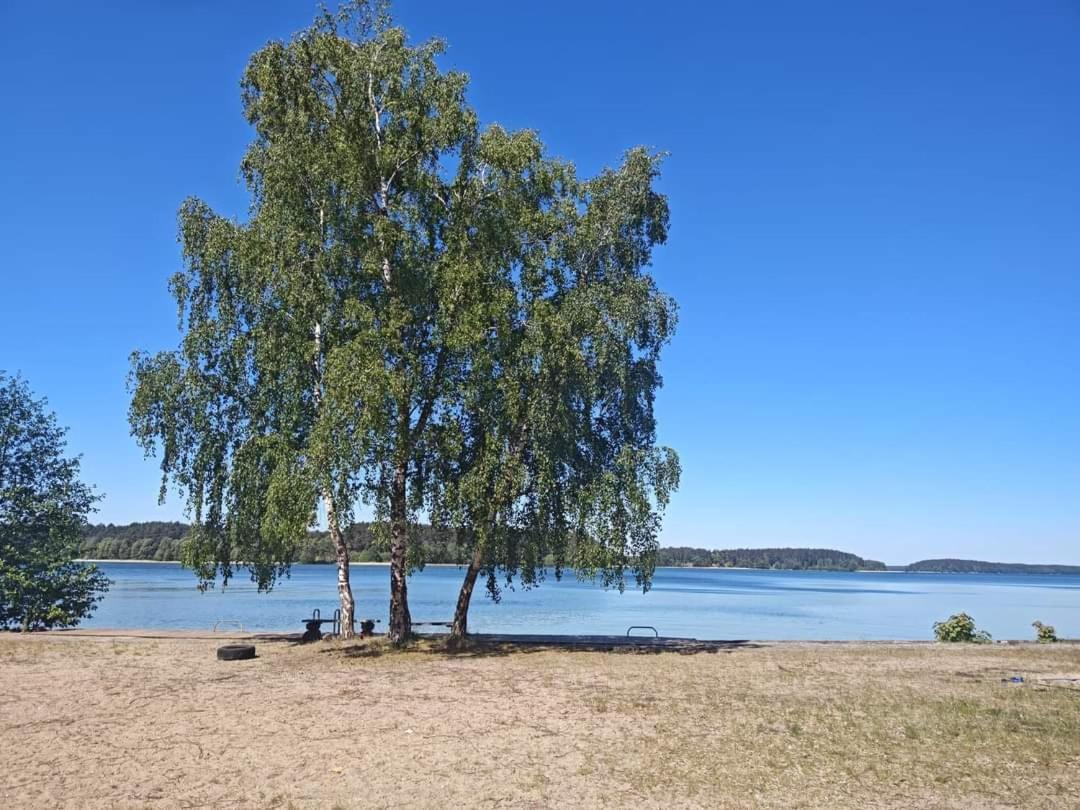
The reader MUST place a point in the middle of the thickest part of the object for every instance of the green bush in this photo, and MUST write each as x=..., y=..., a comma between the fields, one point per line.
x=43, y=509
x=1044, y=633
x=960, y=627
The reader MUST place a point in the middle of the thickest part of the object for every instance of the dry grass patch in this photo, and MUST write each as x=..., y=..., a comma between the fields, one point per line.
x=816, y=725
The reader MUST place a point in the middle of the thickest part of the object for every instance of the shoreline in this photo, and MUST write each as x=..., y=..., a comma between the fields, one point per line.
x=659, y=567
x=462, y=565
x=543, y=640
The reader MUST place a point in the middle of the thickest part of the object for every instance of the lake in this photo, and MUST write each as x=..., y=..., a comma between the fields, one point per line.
x=691, y=602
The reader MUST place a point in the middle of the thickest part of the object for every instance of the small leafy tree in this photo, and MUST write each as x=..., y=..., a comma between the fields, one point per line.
x=1044, y=633
x=43, y=508
x=960, y=627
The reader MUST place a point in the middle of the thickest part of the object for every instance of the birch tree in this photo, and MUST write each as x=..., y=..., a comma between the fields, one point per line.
x=403, y=280
x=554, y=452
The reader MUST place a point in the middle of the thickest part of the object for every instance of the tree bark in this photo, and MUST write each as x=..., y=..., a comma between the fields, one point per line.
x=400, y=620
x=497, y=494
x=460, y=628
x=341, y=550
x=348, y=605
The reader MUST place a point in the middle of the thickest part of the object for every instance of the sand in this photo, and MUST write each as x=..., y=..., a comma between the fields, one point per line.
x=154, y=720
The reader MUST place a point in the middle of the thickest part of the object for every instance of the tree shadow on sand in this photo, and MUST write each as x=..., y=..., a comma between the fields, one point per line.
x=481, y=647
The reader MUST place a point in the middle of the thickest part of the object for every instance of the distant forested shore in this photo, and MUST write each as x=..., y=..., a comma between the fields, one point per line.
x=797, y=559
x=950, y=566
x=161, y=541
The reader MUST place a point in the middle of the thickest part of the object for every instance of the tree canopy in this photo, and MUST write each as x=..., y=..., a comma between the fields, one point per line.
x=552, y=446
x=418, y=313
x=43, y=509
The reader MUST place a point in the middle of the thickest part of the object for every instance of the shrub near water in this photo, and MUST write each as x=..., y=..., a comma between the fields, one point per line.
x=43, y=508
x=1044, y=633
x=960, y=627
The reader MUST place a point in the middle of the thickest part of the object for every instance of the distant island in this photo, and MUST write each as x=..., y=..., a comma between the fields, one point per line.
x=791, y=559
x=950, y=566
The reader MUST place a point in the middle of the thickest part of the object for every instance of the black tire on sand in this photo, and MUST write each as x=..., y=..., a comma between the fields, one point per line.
x=236, y=652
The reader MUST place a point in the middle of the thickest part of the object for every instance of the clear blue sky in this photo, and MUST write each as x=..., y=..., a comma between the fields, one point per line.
x=875, y=241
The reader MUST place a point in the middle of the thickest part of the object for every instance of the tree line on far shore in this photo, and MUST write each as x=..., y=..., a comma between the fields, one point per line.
x=161, y=541
x=797, y=559
x=952, y=566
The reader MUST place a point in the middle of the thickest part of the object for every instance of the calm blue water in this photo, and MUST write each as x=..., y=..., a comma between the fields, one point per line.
x=698, y=603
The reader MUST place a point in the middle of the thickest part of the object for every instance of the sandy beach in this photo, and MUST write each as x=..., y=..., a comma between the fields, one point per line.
x=154, y=720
